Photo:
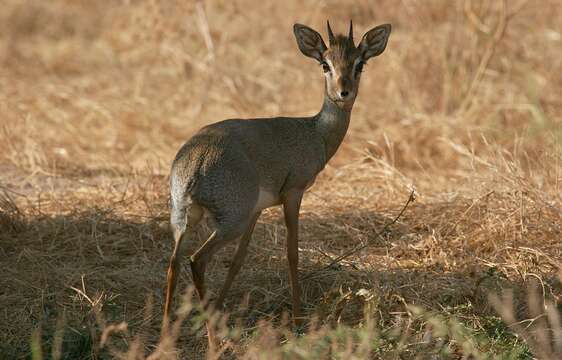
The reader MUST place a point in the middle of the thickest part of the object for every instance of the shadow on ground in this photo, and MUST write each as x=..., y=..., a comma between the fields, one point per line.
x=59, y=269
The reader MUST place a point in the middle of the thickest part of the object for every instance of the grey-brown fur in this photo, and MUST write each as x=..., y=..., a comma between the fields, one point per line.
x=225, y=162
x=233, y=169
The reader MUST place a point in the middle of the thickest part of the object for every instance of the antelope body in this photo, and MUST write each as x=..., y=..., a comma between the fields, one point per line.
x=233, y=169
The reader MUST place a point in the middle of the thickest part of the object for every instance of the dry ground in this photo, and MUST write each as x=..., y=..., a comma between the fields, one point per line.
x=464, y=107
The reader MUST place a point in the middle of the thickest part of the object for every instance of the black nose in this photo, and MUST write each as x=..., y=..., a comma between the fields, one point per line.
x=344, y=93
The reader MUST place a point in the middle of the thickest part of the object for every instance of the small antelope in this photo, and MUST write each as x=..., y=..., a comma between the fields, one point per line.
x=234, y=169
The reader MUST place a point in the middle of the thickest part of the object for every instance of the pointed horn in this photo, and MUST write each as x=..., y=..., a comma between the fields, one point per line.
x=350, y=36
x=330, y=33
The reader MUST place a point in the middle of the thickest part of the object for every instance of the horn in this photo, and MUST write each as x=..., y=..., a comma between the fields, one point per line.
x=330, y=33
x=350, y=36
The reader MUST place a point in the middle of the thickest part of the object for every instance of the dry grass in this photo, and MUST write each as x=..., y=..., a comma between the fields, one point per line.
x=465, y=106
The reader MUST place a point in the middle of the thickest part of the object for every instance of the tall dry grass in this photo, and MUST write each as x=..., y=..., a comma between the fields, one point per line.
x=464, y=106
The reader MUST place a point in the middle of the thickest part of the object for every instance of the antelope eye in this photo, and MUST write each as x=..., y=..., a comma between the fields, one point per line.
x=359, y=67
x=325, y=67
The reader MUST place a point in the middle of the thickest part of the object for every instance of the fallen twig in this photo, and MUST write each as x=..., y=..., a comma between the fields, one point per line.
x=360, y=247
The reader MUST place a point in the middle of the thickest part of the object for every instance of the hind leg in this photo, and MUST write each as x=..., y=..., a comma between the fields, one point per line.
x=173, y=269
x=225, y=233
x=182, y=232
x=237, y=261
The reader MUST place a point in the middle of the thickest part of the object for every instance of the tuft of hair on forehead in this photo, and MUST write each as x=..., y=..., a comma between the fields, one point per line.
x=342, y=48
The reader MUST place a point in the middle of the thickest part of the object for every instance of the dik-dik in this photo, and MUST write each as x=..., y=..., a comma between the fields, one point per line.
x=233, y=169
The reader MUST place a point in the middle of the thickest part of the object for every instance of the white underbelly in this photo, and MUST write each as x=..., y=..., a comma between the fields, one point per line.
x=266, y=199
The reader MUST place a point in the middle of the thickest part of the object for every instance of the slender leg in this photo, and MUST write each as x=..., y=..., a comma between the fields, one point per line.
x=199, y=262
x=237, y=261
x=198, y=268
x=291, y=208
x=183, y=221
x=173, y=270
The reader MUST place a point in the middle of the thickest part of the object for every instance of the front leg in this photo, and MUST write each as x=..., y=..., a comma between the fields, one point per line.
x=291, y=208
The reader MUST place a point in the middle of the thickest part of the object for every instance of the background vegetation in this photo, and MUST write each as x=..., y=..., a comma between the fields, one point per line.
x=464, y=107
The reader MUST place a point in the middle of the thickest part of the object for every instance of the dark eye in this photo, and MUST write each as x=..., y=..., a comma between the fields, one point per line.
x=325, y=67
x=359, y=67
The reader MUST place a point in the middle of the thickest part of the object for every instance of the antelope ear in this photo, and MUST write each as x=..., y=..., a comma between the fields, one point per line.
x=310, y=42
x=374, y=41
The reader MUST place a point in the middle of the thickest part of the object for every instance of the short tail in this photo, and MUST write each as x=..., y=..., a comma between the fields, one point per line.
x=178, y=203
x=178, y=211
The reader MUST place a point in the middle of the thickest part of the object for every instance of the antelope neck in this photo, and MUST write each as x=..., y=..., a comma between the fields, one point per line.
x=331, y=123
